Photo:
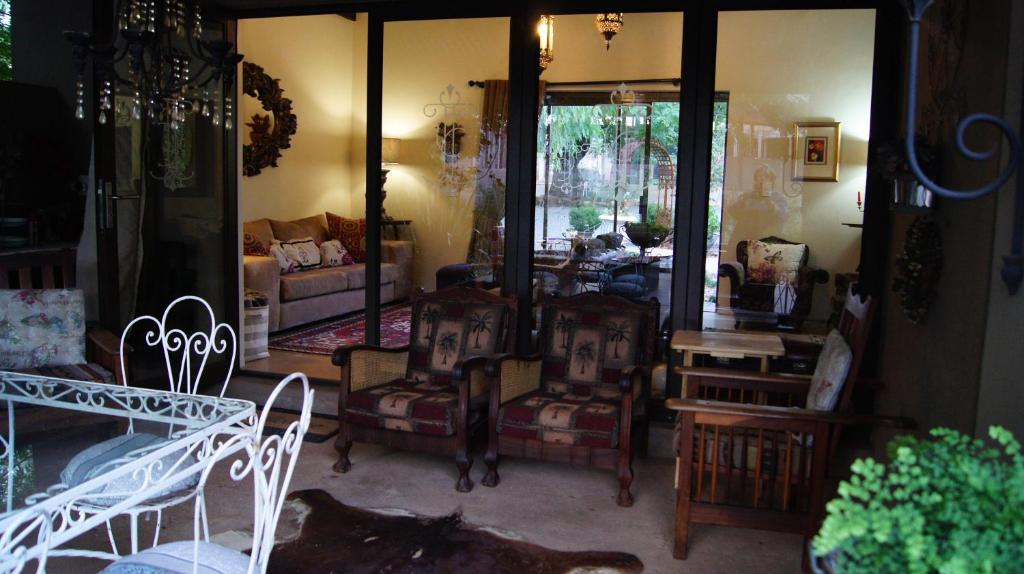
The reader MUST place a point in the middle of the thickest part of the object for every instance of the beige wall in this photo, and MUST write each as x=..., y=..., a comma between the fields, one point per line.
x=315, y=59
x=420, y=60
x=781, y=67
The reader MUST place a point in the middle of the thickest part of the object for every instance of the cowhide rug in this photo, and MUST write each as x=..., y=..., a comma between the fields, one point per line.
x=334, y=537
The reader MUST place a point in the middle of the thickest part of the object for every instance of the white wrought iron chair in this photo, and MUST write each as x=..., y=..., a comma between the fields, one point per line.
x=271, y=461
x=28, y=529
x=185, y=358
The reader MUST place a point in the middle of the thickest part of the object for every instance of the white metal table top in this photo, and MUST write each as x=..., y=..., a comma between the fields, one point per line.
x=51, y=420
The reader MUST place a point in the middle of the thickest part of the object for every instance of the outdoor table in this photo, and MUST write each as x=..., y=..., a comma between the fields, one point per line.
x=51, y=420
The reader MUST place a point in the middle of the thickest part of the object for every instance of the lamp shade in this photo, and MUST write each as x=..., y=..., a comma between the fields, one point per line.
x=390, y=148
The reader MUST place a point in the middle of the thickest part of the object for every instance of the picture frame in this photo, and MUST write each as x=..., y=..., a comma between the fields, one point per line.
x=816, y=149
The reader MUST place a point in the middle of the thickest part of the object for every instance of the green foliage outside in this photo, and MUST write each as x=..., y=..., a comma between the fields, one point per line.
x=584, y=219
x=6, y=65
x=950, y=505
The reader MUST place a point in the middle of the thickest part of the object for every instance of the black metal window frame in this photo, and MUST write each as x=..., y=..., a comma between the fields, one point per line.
x=696, y=94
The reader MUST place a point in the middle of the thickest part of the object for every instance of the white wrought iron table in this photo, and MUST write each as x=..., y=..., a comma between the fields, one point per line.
x=50, y=420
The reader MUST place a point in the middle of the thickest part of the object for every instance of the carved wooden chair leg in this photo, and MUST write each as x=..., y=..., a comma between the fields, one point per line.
x=491, y=479
x=464, y=462
x=625, y=498
x=343, y=444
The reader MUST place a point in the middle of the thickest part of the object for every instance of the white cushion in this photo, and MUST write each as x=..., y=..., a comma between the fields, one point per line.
x=177, y=558
x=830, y=374
x=102, y=457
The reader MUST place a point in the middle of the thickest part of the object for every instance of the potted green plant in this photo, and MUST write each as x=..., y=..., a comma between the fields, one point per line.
x=647, y=234
x=949, y=504
x=585, y=220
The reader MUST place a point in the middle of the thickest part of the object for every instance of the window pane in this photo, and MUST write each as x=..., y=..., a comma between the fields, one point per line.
x=606, y=160
x=789, y=164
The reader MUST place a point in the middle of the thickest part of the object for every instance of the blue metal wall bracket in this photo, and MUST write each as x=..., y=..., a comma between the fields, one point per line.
x=1013, y=263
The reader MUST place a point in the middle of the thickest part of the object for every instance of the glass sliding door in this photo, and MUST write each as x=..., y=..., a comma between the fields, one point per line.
x=608, y=131
x=789, y=166
x=444, y=145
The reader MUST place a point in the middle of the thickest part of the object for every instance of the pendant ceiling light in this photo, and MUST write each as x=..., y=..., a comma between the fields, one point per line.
x=546, y=34
x=608, y=24
x=171, y=73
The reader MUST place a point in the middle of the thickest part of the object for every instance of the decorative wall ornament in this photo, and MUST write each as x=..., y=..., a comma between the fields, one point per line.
x=918, y=268
x=458, y=170
x=269, y=133
x=1013, y=263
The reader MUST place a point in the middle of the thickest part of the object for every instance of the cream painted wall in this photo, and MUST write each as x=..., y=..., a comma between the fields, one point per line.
x=420, y=60
x=780, y=67
x=648, y=47
x=313, y=56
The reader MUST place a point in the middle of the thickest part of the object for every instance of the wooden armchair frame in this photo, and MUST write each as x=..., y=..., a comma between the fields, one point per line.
x=366, y=366
x=55, y=269
x=516, y=375
x=777, y=480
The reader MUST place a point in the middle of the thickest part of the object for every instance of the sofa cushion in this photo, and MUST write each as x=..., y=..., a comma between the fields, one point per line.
x=251, y=245
x=260, y=229
x=562, y=419
x=350, y=232
x=41, y=327
x=314, y=282
x=299, y=228
x=770, y=263
x=405, y=405
x=334, y=254
x=303, y=252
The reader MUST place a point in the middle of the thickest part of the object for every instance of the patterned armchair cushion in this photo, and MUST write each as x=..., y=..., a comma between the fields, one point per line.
x=586, y=348
x=444, y=332
x=770, y=263
x=830, y=374
x=41, y=327
x=176, y=558
x=562, y=419
x=406, y=405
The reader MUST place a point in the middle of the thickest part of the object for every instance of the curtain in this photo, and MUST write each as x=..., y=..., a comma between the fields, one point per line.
x=489, y=199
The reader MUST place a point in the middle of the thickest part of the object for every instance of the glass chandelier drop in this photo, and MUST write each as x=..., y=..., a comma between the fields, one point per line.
x=546, y=34
x=172, y=72
x=608, y=24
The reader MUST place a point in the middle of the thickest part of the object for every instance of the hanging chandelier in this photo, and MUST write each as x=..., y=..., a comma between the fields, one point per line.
x=608, y=24
x=172, y=73
x=546, y=33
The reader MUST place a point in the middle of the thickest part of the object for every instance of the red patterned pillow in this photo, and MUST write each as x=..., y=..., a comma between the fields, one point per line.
x=253, y=246
x=350, y=232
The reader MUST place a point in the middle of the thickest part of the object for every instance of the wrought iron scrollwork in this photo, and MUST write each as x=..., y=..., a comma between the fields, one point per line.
x=1013, y=263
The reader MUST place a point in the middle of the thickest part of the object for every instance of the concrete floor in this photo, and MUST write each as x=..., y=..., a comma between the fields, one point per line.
x=561, y=507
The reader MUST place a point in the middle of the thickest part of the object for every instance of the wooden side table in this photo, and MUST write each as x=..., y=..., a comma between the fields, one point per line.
x=727, y=345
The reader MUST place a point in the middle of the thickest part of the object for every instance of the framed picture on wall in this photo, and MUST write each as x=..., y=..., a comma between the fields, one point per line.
x=816, y=148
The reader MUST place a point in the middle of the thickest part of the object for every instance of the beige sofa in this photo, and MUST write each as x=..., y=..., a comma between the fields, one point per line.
x=307, y=296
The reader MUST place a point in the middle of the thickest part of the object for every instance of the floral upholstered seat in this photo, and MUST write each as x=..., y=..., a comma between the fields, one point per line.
x=432, y=390
x=583, y=398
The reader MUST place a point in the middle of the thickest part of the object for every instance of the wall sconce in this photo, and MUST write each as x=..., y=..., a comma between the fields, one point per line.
x=546, y=34
x=390, y=148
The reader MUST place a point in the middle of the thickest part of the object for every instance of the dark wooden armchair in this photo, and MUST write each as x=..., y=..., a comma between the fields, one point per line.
x=430, y=395
x=752, y=283
x=748, y=456
x=582, y=400
x=55, y=269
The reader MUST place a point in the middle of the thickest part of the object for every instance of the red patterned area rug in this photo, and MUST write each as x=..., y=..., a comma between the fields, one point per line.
x=324, y=338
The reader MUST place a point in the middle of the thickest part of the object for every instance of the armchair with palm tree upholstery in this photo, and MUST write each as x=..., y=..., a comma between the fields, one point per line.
x=759, y=268
x=430, y=395
x=582, y=400
x=748, y=456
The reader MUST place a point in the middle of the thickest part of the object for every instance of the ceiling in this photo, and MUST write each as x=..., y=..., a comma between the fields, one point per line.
x=298, y=6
